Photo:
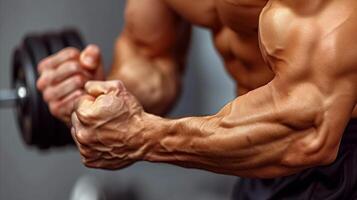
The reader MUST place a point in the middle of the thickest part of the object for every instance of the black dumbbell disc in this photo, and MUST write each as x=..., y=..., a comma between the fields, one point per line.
x=37, y=48
x=53, y=42
x=72, y=38
x=38, y=126
x=23, y=76
x=38, y=51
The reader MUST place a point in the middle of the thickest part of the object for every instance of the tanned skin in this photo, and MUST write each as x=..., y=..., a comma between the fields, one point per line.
x=295, y=63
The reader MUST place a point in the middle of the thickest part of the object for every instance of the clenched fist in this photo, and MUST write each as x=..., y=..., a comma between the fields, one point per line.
x=108, y=126
x=63, y=75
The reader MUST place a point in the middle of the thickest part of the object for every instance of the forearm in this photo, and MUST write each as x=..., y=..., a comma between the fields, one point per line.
x=248, y=138
x=153, y=79
x=200, y=142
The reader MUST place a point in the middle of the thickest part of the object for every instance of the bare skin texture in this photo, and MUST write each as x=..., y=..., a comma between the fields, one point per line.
x=295, y=66
x=63, y=75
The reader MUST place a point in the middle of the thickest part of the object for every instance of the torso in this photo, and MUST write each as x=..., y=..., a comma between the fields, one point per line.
x=234, y=24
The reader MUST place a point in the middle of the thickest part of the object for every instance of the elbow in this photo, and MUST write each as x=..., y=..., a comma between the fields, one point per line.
x=327, y=157
x=296, y=165
x=304, y=159
x=318, y=148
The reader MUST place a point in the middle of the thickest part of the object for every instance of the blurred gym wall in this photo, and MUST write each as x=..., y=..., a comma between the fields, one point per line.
x=26, y=173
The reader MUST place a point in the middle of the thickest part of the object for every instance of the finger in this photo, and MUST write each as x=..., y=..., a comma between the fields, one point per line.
x=53, y=61
x=85, y=101
x=82, y=135
x=76, y=125
x=110, y=164
x=90, y=57
x=64, y=88
x=73, y=133
x=64, y=70
x=45, y=79
x=85, y=151
x=86, y=137
x=89, y=153
x=97, y=88
x=67, y=69
x=83, y=109
x=65, y=106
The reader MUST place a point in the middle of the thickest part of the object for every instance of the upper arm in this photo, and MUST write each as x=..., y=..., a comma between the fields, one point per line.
x=155, y=30
x=313, y=53
x=152, y=47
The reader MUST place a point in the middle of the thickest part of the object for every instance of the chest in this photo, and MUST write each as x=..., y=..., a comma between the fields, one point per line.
x=238, y=15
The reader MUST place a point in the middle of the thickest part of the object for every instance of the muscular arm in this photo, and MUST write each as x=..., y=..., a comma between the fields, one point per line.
x=294, y=122
x=150, y=53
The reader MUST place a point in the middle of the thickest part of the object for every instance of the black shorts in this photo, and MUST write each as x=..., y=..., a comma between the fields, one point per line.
x=337, y=181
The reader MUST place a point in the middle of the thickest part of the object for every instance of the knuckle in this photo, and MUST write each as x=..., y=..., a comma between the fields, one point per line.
x=83, y=137
x=46, y=78
x=54, y=109
x=44, y=63
x=79, y=93
x=84, y=114
x=84, y=117
x=79, y=81
x=119, y=84
x=41, y=65
x=71, y=52
x=39, y=86
x=88, y=84
x=84, y=152
x=47, y=95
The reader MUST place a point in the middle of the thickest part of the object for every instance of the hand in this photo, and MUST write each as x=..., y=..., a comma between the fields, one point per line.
x=63, y=75
x=108, y=126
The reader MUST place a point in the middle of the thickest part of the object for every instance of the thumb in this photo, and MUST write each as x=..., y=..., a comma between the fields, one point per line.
x=90, y=57
x=97, y=88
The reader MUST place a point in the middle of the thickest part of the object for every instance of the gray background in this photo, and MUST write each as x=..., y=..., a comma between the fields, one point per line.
x=26, y=173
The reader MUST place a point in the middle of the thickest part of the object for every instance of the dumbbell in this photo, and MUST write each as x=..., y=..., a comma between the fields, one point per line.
x=37, y=126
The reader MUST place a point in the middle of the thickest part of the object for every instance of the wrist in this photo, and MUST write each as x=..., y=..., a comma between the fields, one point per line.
x=156, y=130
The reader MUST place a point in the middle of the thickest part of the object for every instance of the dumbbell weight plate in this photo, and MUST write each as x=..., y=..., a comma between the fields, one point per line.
x=38, y=126
x=72, y=38
x=38, y=51
x=24, y=75
x=54, y=42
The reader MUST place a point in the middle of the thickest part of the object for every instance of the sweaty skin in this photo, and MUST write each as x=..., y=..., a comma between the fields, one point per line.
x=295, y=63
